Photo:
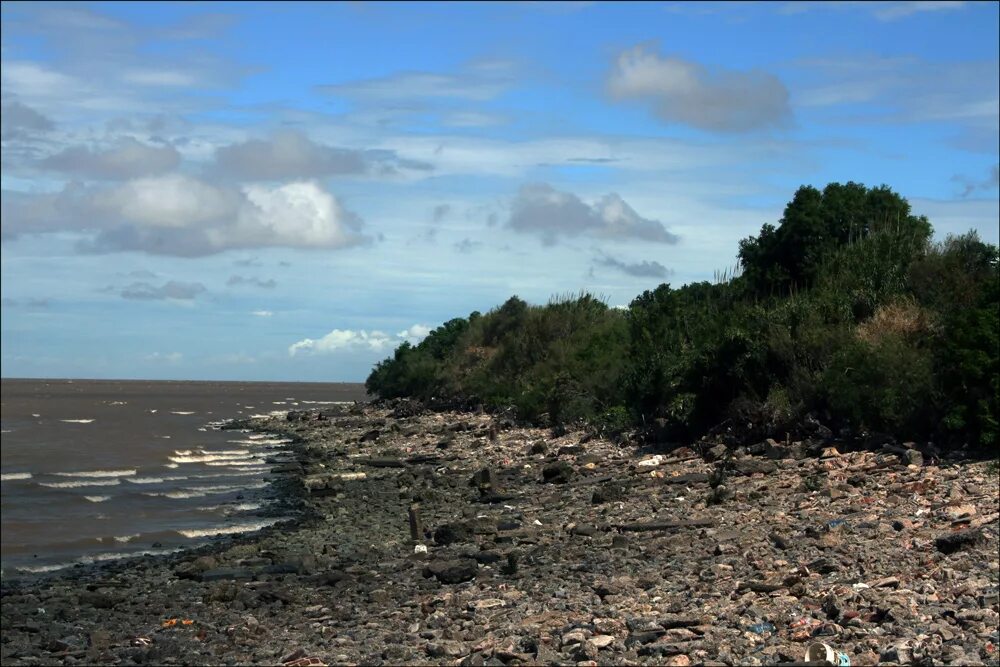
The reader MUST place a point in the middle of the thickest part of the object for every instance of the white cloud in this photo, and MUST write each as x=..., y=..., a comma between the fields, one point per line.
x=540, y=209
x=126, y=158
x=262, y=313
x=347, y=339
x=414, y=334
x=180, y=215
x=160, y=77
x=881, y=10
x=478, y=81
x=291, y=154
x=687, y=92
x=164, y=357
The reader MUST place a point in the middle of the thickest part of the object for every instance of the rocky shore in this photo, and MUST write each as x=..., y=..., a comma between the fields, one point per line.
x=462, y=539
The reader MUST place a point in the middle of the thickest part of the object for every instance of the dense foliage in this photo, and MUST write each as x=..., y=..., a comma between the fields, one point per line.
x=845, y=312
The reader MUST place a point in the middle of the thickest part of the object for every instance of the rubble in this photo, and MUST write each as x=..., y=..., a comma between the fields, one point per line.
x=509, y=546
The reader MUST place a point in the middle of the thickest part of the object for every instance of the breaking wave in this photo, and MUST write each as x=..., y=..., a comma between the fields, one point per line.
x=97, y=473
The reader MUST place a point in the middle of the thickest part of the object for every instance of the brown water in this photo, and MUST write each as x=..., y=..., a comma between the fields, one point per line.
x=100, y=469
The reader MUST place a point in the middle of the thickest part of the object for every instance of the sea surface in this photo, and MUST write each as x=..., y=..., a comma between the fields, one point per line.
x=93, y=470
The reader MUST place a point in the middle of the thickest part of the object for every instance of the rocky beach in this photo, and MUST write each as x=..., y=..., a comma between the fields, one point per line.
x=460, y=538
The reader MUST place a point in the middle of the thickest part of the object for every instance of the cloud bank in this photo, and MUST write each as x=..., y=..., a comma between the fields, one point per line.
x=289, y=154
x=688, y=93
x=180, y=215
x=541, y=209
x=643, y=269
x=126, y=159
x=347, y=339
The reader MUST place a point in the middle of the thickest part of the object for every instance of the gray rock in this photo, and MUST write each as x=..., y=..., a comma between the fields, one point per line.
x=453, y=571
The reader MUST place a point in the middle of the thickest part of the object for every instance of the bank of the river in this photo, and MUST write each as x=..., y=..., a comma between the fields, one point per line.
x=544, y=550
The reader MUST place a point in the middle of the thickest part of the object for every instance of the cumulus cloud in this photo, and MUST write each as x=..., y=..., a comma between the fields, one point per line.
x=127, y=158
x=18, y=120
x=143, y=291
x=289, y=154
x=686, y=92
x=643, y=269
x=251, y=281
x=541, y=209
x=179, y=215
x=348, y=339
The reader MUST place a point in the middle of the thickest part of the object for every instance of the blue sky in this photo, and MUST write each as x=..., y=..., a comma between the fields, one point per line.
x=286, y=191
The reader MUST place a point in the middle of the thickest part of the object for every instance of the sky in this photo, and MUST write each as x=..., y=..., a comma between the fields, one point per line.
x=287, y=191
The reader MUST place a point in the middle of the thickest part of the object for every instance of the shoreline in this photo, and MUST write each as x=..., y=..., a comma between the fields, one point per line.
x=545, y=550
x=281, y=504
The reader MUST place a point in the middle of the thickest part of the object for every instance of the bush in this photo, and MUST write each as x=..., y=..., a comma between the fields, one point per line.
x=843, y=310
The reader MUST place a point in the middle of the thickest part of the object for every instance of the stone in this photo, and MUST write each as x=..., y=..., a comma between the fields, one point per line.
x=959, y=540
x=602, y=641
x=913, y=457
x=558, y=473
x=453, y=571
x=450, y=533
x=221, y=573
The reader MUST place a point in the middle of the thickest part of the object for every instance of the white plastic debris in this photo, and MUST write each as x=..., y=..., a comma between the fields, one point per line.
x=420, y=549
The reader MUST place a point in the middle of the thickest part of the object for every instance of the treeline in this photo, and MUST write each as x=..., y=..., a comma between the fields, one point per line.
x=845, y=314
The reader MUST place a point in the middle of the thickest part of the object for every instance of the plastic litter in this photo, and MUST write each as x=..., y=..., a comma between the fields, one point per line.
x=761, y=628
x=823, y=654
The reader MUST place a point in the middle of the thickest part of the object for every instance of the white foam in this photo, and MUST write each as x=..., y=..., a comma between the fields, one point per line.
x=170, y=465
x=241, y=507
x=205, y=458
x=229, y=530
x=277, y=402
x=38, y=569
x=83, y=482
x=97, y=473
x=115, y=555
x=176, y=495
x=7, y=476
x=263, y=442
x=184, y=452
x=153, y=412
x=232, y=452
x=240, y=461
x=125, y=538
x=97, y=499
x=181, y=412
x=77, y=421
x=118, y=403
x=328, y=402
x=225, y=488
x=156, y=480
x=256, y=472
x=35, y=414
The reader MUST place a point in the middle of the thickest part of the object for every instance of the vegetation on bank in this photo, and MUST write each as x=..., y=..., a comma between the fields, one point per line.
x=845, y=313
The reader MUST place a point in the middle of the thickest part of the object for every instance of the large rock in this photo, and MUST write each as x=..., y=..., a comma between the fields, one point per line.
x=558, y=473
x=450, y=533
x=452, y=571
x=959, y=540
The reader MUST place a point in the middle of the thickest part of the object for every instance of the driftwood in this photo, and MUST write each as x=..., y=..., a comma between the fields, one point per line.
x=665, y=525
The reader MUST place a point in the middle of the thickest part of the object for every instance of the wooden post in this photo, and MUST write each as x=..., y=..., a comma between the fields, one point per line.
x=416, y=527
